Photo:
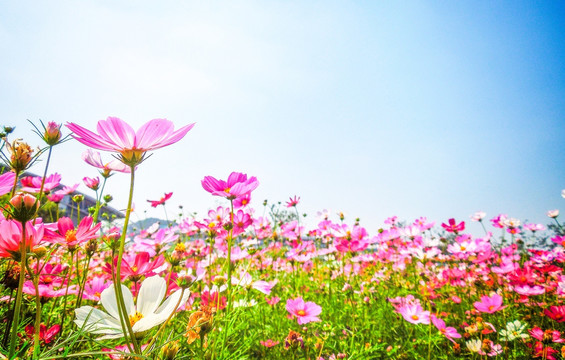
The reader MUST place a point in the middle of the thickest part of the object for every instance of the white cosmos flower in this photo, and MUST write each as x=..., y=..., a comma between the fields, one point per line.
x=148, y=313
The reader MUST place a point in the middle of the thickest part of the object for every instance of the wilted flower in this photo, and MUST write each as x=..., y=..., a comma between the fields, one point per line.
x=199, y=324
x=20, y=155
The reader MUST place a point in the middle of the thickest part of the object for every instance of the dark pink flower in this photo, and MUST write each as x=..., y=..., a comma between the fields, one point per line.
x=155, y=203
x=453, y=226
x=32, y=184
x=293, y=201
x=67, y=235
x=305, y=312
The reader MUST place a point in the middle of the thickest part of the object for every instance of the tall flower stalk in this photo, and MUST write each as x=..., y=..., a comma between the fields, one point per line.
x=116, y=135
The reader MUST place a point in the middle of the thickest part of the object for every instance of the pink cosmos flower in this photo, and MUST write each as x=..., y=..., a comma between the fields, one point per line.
x=269, y=343
x=453, y=227
x=551, y=335
x=91, y=183
x=242, y=201
x=236, y=186
x=448, y=332
x=414, y=314
x=556, y=313
x=155, y=203
x=293, y=201
x=32, y=184
x=116, y=135
x=489, y=304
x=66, y=234
x=11, y=237
x=93, y=158
x=305, y=312
x=241, y=221
x=498, y=222
x=45, y=335
x=138, y=265
x=7, y=182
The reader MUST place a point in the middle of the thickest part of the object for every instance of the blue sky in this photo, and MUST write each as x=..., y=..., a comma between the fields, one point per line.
x=435, y=109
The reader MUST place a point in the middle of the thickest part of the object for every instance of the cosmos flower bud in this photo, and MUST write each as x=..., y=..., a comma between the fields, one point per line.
x=78, y=198
x=170, y=350
x=108, y=198
x=52, y=133
x=24, y=207
x=40, y=251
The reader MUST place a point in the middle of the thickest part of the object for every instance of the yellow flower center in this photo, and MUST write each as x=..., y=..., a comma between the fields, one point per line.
x=180, y=247
x=301, y=312
x=135, y=318
x=415, y=317
x=227, y=190
x=71, y=236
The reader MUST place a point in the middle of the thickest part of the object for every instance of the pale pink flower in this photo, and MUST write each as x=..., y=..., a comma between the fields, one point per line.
x=414, y=314
x=553, y=213
x=305, y=312
x=116, y=135
x=478, y=216
x=93, y=158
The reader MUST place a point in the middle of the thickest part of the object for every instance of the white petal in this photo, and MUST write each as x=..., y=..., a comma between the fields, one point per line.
x=109, y=301
x=96, y=321
x=151, y=294
x=170, y=304
x=148, y=322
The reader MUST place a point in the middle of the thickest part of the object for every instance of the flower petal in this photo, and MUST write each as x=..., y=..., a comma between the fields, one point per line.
x=110, y=303
x=151, y=294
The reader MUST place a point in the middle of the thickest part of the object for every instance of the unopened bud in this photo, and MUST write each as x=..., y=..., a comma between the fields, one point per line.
x=108, y=198
x=24, y=207
x=78, y=198
x=170, y=350
x=40, y=251
x=52, y=133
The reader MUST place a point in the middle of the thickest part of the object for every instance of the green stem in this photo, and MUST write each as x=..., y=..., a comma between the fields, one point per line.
x=16, y=323
x=124, y=316
x=35, y=280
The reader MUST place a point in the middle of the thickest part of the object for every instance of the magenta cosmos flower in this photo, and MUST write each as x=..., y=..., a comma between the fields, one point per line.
x=67, y=235
x=155, y=203
x=305, y=312
x=116, y=135
x=238, y=185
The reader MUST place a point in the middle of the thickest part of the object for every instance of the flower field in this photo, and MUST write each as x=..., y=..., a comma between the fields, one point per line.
x=235, y=285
